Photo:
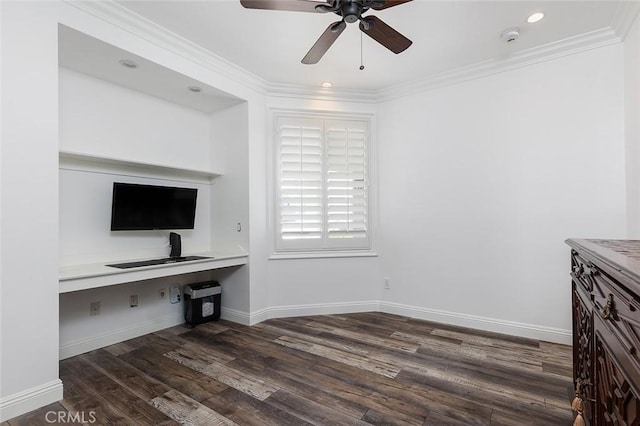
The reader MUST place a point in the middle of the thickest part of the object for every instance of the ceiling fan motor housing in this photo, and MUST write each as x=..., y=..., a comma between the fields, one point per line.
x=351, y=11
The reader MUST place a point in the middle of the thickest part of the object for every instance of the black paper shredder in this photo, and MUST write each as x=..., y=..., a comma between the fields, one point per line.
x=202, y=302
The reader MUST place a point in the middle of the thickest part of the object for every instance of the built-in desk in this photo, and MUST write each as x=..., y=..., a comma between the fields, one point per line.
x=83, y=277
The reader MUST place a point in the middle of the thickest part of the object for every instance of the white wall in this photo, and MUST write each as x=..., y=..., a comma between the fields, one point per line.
x=29, y=218
x=481, y=182
x=321, y=286
x=230, y=201
x=257, y=161
x=632, y=126
x=105, y=119
x=1, y=190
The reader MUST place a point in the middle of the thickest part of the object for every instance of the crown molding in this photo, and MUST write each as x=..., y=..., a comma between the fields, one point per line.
x=625, y=15
x=623, y=20
x=554, y=50
x=120, y=16
x=292, y=91
x=124, y=18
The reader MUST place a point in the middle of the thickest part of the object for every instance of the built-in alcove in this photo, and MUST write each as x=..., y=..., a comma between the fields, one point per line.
x=146, y=124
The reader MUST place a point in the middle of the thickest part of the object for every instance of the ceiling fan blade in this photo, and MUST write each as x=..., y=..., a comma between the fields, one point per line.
x=384, y=34
x=290, y=5
x=323, y=44
x=387, y=4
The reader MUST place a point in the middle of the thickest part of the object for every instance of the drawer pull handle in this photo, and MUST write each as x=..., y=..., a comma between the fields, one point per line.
x=578, y=270
x=609, y=310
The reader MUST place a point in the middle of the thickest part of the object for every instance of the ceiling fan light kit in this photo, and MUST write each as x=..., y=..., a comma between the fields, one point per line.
x=350, y=11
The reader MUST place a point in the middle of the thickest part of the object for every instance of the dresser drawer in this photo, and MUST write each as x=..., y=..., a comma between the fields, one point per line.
x=620, y=313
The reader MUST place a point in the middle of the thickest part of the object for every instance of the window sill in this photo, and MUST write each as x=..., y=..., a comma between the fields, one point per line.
x=321, y=254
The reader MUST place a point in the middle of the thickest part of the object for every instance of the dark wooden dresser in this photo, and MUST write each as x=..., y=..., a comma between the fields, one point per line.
x=606, y=330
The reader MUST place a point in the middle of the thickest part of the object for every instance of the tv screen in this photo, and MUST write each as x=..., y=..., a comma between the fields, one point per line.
x=143, y=207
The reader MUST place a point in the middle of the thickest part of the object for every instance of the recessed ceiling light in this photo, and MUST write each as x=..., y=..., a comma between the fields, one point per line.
x=195, y=88
x=535, y=17
x=326, y=84
x=128, y=63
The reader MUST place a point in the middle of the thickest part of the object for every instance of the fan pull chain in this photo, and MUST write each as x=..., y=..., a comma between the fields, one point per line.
x=361, y=65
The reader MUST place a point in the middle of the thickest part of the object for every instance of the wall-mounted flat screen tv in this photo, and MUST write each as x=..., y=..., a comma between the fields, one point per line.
x=145, y=207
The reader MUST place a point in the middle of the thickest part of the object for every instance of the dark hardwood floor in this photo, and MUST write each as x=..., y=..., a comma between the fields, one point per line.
x=354, y=369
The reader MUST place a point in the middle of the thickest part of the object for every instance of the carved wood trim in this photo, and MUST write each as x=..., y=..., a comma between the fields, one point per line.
x=617, y=400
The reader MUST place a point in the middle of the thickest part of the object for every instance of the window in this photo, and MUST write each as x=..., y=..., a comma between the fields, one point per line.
x=322, y=184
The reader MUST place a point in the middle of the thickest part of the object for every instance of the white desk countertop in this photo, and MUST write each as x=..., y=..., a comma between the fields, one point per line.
x=83, y=277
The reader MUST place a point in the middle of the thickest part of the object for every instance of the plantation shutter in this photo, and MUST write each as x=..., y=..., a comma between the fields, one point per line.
x=322, y=184
x=300, y=182
x=346, y=182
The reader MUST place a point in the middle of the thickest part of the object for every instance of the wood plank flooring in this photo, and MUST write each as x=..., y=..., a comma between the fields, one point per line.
x=353, y=369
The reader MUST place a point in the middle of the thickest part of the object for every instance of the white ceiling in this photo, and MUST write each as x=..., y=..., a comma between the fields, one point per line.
x=88, y=55
x=446, y=35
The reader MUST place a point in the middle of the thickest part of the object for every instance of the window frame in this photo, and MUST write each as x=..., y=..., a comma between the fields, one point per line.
x=320, y=248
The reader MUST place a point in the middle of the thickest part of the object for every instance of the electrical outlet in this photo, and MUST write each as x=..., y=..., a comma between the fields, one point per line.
x=133, y=300
x=163, y=293
x=175, y=295
x=94, y=309
x=387, y=283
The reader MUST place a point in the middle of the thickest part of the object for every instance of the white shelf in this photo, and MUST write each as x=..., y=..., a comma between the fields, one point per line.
x=97, y=160
x=84, y=277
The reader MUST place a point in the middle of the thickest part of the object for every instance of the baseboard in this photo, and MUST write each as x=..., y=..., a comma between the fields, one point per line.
x=547, y=334
x=259, y=316
x=116, y=336
x=314, y=309
x=31, y=399
x=234, y=315
x=512, y=328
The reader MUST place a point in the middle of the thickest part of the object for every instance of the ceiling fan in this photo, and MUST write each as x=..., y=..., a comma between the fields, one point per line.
x=351, y=11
